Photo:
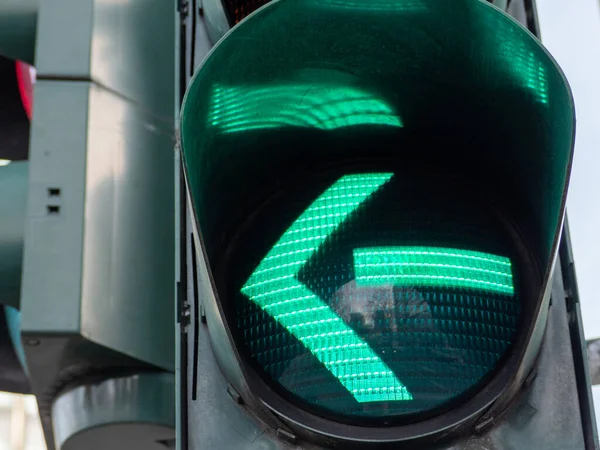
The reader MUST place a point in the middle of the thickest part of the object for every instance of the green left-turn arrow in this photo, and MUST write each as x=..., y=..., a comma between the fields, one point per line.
x=275, y=288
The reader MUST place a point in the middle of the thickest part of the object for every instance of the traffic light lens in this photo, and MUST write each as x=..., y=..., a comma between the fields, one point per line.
x=382, y=298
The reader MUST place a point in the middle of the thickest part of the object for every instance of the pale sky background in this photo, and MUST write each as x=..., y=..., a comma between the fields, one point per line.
x=571, y=31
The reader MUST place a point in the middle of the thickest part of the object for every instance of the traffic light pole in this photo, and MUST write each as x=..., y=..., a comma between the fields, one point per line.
x=581, y=361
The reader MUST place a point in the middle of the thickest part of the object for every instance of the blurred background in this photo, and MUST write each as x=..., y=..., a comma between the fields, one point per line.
x=20, y=427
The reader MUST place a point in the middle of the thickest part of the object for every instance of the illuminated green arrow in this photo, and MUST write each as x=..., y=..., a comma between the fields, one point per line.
x=275, y=288
x=450, y=268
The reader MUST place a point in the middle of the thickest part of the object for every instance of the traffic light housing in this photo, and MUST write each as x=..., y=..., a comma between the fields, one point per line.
x=94, y=274
x=14, y=146
x=327, y=144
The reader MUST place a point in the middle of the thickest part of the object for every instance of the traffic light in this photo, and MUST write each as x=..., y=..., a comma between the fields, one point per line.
x=377, y=193
x=86, y=220
x=14, y=140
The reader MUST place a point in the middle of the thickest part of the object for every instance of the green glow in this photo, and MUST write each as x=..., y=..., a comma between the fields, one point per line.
x=314, y=105
x=433, y=266
x=374, y=5
x=527, y=67
x=274, y=287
